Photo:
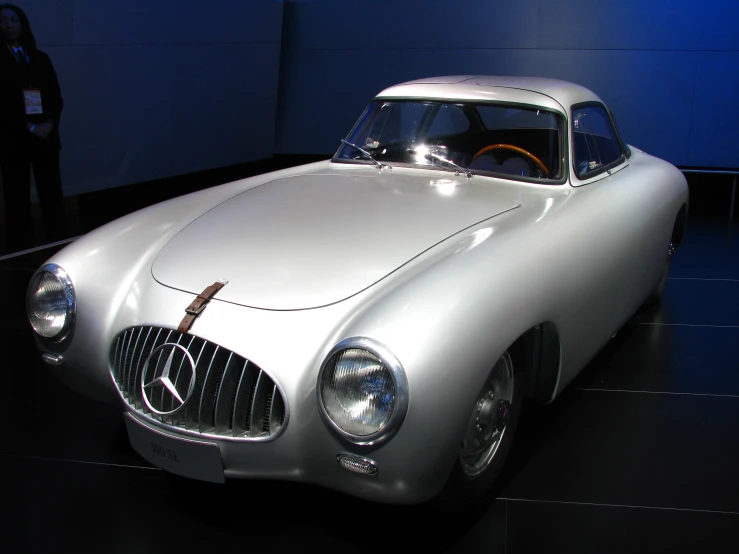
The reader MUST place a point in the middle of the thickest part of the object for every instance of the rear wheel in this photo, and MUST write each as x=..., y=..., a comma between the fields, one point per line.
x=655, y=296
x=487, y=437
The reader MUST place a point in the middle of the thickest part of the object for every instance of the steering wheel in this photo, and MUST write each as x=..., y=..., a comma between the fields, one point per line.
x=529, y=155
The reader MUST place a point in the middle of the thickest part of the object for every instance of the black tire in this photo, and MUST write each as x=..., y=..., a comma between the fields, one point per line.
x=466, y=484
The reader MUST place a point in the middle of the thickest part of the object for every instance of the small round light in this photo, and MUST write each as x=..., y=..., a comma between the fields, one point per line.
x=362, y=391
x=50, y=302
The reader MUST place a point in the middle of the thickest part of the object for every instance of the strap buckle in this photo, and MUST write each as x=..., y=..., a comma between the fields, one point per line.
x=198, y=305
x=196, y=311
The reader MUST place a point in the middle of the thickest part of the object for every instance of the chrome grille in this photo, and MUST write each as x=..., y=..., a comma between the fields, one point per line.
x=231, y=398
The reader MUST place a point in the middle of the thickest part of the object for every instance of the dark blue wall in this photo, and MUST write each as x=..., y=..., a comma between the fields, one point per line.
x=155, y=88
x=669, y=69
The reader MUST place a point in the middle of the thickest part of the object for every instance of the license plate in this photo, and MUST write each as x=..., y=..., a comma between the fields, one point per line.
x=194, y=459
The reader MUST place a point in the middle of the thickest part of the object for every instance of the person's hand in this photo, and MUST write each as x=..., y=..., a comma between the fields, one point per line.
x=43, y=130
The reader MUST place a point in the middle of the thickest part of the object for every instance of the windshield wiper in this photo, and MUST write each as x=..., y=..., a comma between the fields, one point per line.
x=458, y=168
x=379, y=165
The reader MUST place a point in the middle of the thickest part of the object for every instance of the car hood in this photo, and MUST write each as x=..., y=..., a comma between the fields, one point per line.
x=310, y=240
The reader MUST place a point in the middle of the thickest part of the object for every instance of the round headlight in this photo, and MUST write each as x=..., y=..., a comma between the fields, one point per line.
x=50, y=303
x=362, y=391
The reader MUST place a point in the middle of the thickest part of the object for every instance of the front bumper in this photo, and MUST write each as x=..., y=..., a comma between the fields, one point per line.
x=288, y=458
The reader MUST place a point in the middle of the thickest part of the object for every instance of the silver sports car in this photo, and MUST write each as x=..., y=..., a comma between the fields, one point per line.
x=373, y=322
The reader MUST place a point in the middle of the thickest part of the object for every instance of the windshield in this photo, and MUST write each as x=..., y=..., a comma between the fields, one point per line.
x=504, y=140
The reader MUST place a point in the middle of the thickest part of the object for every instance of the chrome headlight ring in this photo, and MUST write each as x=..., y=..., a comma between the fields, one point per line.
x=382, y=383
x=51, y=303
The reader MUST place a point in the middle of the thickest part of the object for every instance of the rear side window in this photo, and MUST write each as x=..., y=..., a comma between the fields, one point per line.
x=596, y=141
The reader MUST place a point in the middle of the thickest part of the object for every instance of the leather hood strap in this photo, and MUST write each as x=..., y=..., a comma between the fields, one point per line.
x=197, y=306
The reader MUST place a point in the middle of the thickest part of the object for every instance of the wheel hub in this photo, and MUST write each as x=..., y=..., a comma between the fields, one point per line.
x=488, y=420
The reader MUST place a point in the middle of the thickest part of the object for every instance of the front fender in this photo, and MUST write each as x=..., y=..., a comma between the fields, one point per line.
x=448, y=320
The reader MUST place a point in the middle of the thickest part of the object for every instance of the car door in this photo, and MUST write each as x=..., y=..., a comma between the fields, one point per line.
x=614, y=234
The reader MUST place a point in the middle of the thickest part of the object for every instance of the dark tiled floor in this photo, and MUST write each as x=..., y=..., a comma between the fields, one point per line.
x=668, y=358
x=701, y=302
x=711, y=248
x=599, y=529
x=61, y=506
x=662, y=450
x=639, y=454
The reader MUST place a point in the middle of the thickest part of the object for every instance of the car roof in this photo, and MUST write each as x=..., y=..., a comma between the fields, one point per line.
x=551, y=93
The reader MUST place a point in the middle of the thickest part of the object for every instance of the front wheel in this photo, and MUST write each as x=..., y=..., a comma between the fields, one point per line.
x=488, y=436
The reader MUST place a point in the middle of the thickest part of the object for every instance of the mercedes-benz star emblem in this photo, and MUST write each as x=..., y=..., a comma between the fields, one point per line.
x=166, y=390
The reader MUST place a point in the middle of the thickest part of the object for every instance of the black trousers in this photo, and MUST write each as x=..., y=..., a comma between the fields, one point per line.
x=16, y=162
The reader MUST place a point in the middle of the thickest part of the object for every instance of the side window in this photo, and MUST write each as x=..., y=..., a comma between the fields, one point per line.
x=596, y=142
x=624, y=145
x=449, y=120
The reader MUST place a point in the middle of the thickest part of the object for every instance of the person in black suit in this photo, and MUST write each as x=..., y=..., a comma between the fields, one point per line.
x=30, y=111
